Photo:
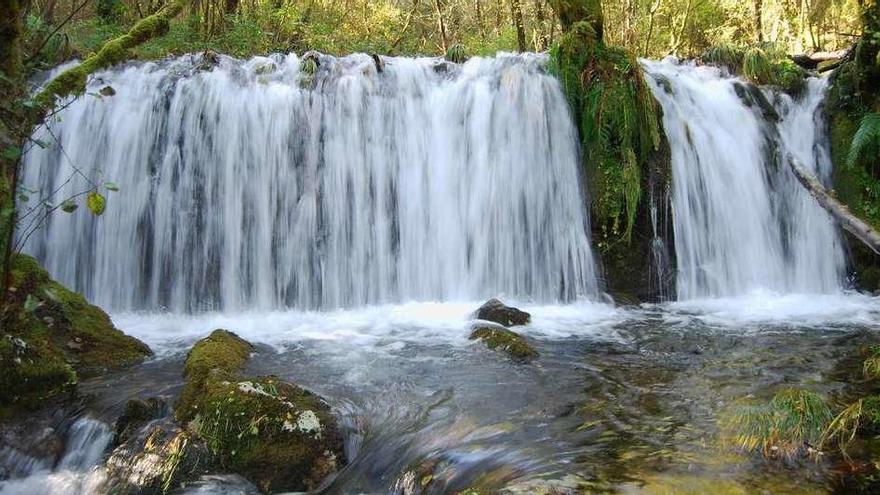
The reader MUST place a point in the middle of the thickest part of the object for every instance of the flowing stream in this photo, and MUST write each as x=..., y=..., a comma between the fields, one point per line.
x=350, y=221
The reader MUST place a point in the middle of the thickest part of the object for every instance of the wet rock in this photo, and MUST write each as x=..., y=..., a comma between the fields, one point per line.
x=157, y=460
x=209, y=60
x=271, y=432
x=506, y=341
x=136, y=414
x=496, y=311
x=53, y=338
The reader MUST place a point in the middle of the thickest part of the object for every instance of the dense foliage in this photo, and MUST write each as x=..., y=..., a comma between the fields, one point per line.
x=652, y=28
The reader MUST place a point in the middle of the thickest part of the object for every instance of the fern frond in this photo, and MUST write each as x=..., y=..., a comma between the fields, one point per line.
x=865, y=138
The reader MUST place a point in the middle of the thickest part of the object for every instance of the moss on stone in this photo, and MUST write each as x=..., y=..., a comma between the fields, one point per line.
x=506, y=341
x=82, y=334
x=53, y=336
x=272, y=432
x=222, y=353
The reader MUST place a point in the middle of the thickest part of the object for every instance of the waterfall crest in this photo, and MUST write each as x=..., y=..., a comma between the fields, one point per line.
x=742, y=222
x=251, y=185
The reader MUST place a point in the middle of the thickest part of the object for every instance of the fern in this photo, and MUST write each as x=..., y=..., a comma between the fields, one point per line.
x=866, y=138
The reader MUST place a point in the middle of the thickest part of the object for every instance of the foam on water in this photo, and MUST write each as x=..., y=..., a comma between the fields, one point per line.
x=414, y=322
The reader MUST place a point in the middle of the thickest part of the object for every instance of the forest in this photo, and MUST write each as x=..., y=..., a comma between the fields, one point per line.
x=439, y=246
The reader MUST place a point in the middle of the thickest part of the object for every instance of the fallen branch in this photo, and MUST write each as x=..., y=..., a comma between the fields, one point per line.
x=812, y=60
x=852, y=224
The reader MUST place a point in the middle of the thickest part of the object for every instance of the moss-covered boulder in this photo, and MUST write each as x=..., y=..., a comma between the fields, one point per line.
x=220, y=355
x=272, y=432
x=53, y=336
x=507, y=341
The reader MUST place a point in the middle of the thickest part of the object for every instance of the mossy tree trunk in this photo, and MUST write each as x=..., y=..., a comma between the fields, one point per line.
x=11, y=90
x=571, y=12
x=28, y=114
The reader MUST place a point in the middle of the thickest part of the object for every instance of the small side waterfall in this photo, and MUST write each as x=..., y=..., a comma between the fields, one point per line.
x=252, y=185
x=742, y=223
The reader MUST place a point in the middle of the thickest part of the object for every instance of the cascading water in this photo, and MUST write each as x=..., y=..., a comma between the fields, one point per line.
x=742, y=222
x=240, y=188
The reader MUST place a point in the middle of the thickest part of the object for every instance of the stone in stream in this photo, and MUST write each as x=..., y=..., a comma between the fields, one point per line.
x=53, y=338
x=156, y=460
x=496, y=311
x=271, y=432
x=503, y=340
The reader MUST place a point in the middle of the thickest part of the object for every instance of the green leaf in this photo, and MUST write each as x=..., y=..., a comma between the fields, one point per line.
x=96, y=202
x=68, y=206
x=31, y=303
x=11, y=153
x=111, y=186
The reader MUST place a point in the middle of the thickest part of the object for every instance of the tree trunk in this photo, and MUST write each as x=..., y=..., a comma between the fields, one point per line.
x=759, y=28
x=11, y=90
x=478, y=7
x=517, y=18
x=539, y=17
x=71, y=81
x=859, y=229
x=441, y=26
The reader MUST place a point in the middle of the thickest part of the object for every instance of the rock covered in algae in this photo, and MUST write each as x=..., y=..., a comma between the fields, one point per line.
x=272, y=432
x=495, y=311
x=504, y=340
x=53, y=336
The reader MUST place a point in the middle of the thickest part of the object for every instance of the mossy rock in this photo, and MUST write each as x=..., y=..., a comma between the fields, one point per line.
x=506, y=341
x=272, y=432
x=269, y=431
x=54, y=336
x=222, y=353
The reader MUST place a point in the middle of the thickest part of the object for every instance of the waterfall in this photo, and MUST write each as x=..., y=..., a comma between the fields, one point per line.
x=254, y=184
x=741, y=221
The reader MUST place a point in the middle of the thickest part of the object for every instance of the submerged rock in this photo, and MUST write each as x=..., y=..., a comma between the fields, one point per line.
x=53, y=337
x=496, y=311
x=504, y=340
x=271, y=432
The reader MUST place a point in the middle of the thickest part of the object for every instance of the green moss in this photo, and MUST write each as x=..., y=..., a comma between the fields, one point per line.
x=222, y=353
x=852, y=97
x=114, y=51
x=764, y=64
x=504, y=340
x=619, y=125
x=30, y=372
x=272, y=432
x=63, y=325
